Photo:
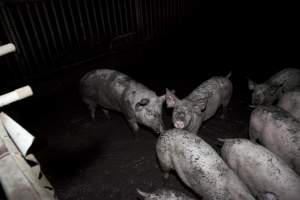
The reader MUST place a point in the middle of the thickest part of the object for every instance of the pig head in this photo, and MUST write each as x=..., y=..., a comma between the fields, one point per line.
x=270, y=90
x=147, y=109
x=187, y=114
x=263, y=94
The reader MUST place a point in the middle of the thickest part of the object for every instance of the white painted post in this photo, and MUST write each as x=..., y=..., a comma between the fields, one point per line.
x=16, y=95
x=8, y=48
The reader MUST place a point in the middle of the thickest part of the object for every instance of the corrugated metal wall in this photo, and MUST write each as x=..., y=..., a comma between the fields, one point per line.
x=44, y=30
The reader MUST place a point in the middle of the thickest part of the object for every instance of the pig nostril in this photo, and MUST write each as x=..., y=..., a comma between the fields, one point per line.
x=179, y=124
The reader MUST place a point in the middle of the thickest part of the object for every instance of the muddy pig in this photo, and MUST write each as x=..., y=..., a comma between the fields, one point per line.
x=277, y=130
x=163, y=194
x=269, y=91
x=290, y=101
x=114, y=90
x=201, y=104
x=267, y=176
x=199, y=166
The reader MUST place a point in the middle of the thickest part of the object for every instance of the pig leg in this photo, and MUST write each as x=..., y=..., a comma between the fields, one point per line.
x=130, y=117
x=106, y=113
x=92, y=108
x=133, y=124
x=166, y=170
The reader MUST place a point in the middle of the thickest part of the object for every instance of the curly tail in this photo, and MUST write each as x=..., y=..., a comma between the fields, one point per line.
x=229, y=74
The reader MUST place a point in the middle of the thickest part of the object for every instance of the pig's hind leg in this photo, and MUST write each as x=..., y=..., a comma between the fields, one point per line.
x=133, y=125
x=106, y=113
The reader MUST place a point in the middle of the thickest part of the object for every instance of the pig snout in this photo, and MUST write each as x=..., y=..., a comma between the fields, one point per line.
x=179, y=124
x=256, y=101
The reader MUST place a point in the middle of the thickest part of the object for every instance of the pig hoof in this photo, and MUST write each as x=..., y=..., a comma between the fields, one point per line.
x=106, y=113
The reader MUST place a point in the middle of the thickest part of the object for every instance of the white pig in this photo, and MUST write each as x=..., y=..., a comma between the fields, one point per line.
x=114, y=90
x=269, y=91
x=201, y=104
x=267, y=176
x=290, y=101
x=199, y=166
x=277, y=130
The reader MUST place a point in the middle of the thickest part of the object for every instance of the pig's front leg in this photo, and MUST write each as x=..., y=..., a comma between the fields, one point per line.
x=130, y=117
x=91, y=107
x=133, y=125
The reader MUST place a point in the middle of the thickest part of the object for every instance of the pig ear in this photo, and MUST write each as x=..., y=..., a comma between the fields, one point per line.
x=141, y=103
x=171, y=99
x=251, y=84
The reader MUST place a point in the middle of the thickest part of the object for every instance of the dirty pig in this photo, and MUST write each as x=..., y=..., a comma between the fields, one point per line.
x=201, y=104
x=113, y=90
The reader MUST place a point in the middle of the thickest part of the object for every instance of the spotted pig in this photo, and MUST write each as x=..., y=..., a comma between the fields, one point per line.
x=114, y=90
x=201, y=104
x=199, y=166
x=278, y=131
x=266, y=175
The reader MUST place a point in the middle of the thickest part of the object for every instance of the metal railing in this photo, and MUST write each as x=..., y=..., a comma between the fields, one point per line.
x=44, y=30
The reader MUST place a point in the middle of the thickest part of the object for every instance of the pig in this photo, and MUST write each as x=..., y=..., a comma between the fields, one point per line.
x=199, y=166
x=266, y=175
x=277, y=130
x=114, y=90
x=201, y=104
x=290, y=102
x=164, y=194
x=269, y=91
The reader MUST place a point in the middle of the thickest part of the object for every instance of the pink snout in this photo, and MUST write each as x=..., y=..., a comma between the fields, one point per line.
x=179, y=124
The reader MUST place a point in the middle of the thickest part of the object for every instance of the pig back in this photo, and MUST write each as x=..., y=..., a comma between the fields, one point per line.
x=288, y=77
x=211, y=92
x=290, y=101
x=200, y=167
x=278, y=131
x=104, y=87
x=261, y=170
